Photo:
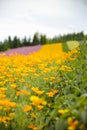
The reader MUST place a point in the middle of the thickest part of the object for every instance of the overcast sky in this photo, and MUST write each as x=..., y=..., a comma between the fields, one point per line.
x=50, y=17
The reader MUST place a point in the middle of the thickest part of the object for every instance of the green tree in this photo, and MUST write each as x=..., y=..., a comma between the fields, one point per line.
x=43, y=39
x=16, y=42
x=1, y=46
x=10, y=42
x=5, y=45
x=24, y=41
x=36, y=39
x=29, y=41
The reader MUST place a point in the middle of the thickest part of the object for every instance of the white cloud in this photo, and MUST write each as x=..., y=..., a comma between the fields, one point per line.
x=25, y=17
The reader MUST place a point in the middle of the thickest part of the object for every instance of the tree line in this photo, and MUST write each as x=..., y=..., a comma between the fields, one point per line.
x=70, y=36
x=37, y=39
x=16, y=42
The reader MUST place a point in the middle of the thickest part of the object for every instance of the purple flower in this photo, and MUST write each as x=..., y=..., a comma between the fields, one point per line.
x=23, y=50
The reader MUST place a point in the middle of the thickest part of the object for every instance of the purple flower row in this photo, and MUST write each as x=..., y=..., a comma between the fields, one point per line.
x=23, y=50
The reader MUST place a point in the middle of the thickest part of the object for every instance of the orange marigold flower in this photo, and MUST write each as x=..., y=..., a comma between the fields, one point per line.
x=25, y=92
x=52, y=93
x=33, y=115
x=18, y=93
x=40, y=107
x=27, y=108
x=13, y=86
x=36, y=90
x=32, y=125
x=52, y=78
x=72, y=123
x=45, y=79
x=7, y=103
x=4, y=119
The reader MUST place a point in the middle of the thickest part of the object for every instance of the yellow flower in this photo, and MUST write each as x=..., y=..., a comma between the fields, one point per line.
x=36, y=100
x=2, y=96
x=43, y=102
x=33, y=115
x=52, y=93
x=66, y=68
x=36, y=90
x=36, y=75
x=45, y=79
x=63, y=111
x=18, y=93
x=13, y=86
x=32, y=126
x=27, y=108
x=52, y=78
x=46, y=70
x=3, y=89
x=25, y=92
x=33, y=98
x=40, y=107
x=22, y=80
x=4, y=119
x=72, y=123
x=7, y=103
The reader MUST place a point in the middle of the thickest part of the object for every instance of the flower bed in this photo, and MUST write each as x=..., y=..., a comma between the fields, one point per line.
x=45, y=90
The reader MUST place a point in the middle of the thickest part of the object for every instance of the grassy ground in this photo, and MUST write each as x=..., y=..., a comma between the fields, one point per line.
x=72, y=44
x=69, y=45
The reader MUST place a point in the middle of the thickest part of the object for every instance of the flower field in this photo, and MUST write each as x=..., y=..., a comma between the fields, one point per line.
x=44, y=91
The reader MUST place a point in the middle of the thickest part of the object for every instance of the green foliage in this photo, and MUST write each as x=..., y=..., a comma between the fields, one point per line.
x=43, y=39
x=5, y=46
x=15, y=42
x=69, y=45
x=10, y=42
x=1, y=46
x=25, y=42
x=69, y=37
x=72, y=93
x=65, y=47
x=36, y=39
x=85, y=37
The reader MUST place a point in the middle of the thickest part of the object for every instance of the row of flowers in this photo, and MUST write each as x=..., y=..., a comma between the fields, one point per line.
x=30, y=86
